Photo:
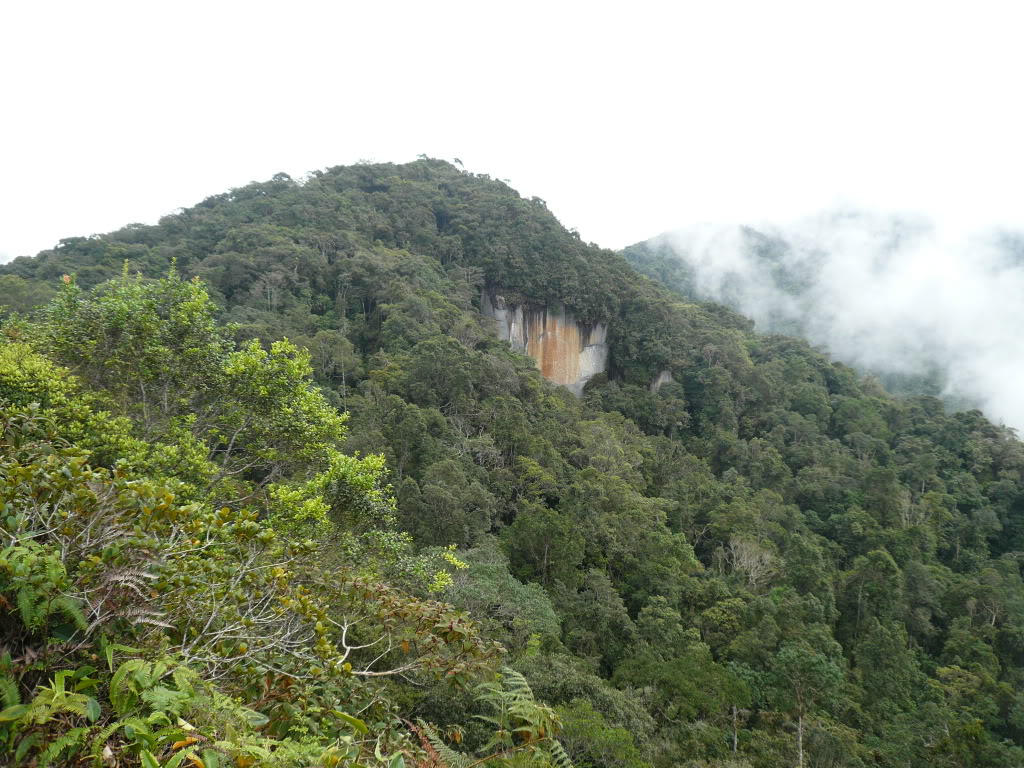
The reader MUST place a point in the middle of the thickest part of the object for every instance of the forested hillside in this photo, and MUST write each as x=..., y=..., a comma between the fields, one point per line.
x=274, y=493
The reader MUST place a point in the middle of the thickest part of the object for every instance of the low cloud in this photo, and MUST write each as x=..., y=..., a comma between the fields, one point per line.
x=896, y=295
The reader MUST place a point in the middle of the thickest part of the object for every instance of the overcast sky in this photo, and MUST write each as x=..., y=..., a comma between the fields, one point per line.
x=628, y=122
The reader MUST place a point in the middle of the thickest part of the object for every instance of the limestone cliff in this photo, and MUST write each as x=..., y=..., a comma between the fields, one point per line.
x=566, y=352
x=663, y=378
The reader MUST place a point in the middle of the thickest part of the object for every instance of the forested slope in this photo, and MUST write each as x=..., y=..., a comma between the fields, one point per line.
x=766, y=562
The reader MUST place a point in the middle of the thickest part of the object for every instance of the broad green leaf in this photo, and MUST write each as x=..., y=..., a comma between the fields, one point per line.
x=13, y=713
x=254, y=718
x=355, y=722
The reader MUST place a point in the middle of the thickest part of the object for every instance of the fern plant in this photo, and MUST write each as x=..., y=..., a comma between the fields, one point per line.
x=56, y=698
x=56, y=706
x=67, y=745
x=37, y=579
x=524, y=729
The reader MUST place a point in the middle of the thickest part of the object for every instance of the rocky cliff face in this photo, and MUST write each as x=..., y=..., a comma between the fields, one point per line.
x=566, y=352
x=663, y=378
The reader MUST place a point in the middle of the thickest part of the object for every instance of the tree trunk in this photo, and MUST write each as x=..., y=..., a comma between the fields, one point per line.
x=800, y=740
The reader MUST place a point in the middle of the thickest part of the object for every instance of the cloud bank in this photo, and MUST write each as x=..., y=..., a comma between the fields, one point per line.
x=897, y=295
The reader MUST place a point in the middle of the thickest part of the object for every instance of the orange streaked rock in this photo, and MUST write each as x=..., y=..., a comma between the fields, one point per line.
x=566, y=352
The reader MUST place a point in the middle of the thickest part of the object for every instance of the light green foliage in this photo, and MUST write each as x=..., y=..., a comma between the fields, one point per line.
x=88, y=551
x=518, y=614
x=592, y=743
x=27, y=378
x=154, y=348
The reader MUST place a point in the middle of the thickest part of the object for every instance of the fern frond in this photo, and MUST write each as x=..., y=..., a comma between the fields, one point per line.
x=160, y=668
x=24, y=746
x=135, y=576
x=73, y=739
x=434, y=759
x=120, y=695
x=100, y=741
x=558, y=755
x=448, y=756
x=9, y=693
x=516, y=683
x=140, y=615
x=163, y=699
x=72, y=609
x=185, y=679
x=77, y=704
x=26, y=600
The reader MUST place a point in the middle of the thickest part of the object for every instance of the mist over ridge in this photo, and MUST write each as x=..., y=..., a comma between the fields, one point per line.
x=925, y=306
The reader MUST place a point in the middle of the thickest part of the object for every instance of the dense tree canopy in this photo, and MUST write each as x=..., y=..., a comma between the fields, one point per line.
x=286, y=409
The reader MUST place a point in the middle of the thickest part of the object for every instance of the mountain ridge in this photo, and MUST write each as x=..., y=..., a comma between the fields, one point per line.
x=763, y=557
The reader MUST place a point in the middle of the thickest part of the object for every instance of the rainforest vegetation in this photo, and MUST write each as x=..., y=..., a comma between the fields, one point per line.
x=273, y=493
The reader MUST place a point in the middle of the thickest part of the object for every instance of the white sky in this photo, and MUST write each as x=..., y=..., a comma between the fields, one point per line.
x=628, y=122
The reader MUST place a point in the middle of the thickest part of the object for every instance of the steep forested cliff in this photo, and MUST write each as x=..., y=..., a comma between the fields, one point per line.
x=760, y=561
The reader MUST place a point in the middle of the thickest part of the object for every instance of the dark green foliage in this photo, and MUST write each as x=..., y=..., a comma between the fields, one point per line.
x=766, y=558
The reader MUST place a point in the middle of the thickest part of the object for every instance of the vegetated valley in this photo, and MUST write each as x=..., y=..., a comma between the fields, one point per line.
x=279, y=487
